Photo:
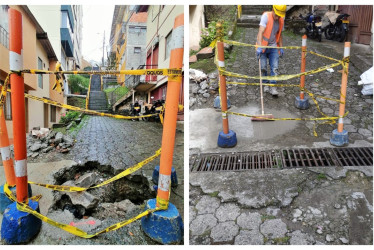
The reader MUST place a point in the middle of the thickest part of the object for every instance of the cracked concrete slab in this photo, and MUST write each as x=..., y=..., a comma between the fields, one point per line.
x=252, y=189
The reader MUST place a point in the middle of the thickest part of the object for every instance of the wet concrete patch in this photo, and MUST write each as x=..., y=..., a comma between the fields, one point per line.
x=205, y=125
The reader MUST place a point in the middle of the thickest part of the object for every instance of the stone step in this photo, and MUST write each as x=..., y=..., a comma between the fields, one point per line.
x=249, y=21
x=95, y=83
x=98, y=101
x=255, y=9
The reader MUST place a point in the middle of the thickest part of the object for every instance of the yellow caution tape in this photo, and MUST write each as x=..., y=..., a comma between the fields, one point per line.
x=59, y=85
x=279, y=77
x=213, y=43
x=286, y=119
x=330, y=58
x=158, y=72
x=117, y=177
x=258, y=46
x=264, y=84
x=3, y=91
x=88, y=111
x=88, y=93
x=70, y=229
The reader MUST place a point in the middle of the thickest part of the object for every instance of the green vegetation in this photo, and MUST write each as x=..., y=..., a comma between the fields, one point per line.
x=77, y=101
x=193, y=52
x=206, y=65
x=290, y=34
x=214, y=194
x=321, y=176
x=62, y=130
x=78, y=83
x=75, y=128
x=220, y=12
x=119, y=91
x=209, y=34
x=282, y=240
x=267, y=217
x=69, y=116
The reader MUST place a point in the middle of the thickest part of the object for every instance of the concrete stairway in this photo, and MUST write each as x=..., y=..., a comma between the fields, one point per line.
x=251, y=15
x=98, y=100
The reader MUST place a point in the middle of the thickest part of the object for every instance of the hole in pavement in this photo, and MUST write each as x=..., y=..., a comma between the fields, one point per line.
x=134, y=188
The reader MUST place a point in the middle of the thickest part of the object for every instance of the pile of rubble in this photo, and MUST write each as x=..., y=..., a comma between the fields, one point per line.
x=43, y=141
x=203, y=88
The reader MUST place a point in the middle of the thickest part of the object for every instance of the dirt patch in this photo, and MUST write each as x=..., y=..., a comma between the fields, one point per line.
x=134, y=188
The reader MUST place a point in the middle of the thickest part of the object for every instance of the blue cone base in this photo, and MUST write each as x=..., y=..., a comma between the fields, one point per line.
x=227, y=140
x=339, y=139
x=217, y=103
x=156, y=173
x=4, y=200
x=302, y=103
x=20, y=227
x=165, y=226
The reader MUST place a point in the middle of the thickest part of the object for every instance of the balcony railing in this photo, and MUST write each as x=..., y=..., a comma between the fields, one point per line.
x=4, y=37
x=133, y=80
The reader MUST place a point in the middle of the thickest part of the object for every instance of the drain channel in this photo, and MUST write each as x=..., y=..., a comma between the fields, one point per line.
x=286, y=158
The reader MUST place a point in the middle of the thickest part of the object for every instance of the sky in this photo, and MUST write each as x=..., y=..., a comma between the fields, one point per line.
x=96, y=20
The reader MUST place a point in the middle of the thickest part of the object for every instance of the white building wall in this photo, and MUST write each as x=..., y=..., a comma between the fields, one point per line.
x=49, y=17
x=36, y=108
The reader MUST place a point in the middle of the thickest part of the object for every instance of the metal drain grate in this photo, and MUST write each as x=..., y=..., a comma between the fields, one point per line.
x=286, y=158
x=354, y=156
x=307, y=157
x=235, y=161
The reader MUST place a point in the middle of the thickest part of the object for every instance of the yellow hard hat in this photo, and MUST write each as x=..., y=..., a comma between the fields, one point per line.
x=280, y=10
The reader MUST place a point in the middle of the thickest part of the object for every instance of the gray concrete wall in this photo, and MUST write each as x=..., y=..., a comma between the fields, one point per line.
x=135, y=39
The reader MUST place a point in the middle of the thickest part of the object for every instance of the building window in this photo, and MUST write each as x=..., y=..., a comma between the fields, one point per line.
x=168, y=45
x=53, y=113
x=8, y=107
x=40, y=77
x=137, y=50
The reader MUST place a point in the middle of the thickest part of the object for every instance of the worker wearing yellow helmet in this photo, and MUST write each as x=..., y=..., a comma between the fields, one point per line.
x=270, y=34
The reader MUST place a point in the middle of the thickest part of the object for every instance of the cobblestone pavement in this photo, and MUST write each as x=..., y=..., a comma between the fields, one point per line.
x=117, y=144
x=278, y=207
x=301, y=206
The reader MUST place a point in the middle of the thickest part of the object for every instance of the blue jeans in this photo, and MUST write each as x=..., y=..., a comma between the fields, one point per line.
x=273, y=56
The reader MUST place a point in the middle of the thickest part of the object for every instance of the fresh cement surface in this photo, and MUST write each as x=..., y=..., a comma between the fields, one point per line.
x=113, y=145
x=313, y=206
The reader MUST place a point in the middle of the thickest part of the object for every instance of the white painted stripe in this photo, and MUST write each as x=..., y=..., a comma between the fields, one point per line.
x=177, y=38
x=221, y=64
x=303, y=42
x=21, y=168
x=347, y=51
x=340, y=120
x=164, y=182
x=5, y=153
x=224, y=115
x=15, y=60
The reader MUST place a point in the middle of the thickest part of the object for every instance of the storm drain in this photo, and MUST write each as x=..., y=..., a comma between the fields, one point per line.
x=281, y=159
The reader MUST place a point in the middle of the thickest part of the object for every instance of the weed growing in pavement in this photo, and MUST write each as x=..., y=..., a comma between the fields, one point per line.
x=214, y=194
x=282, y=240
x=321, y=176
x=265, y=217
